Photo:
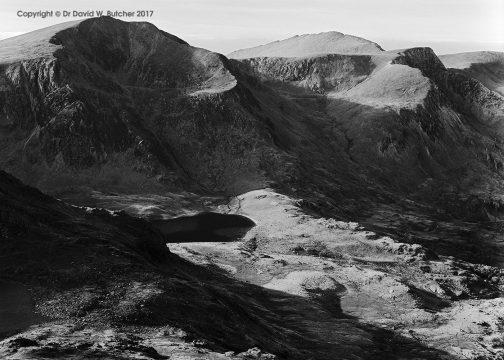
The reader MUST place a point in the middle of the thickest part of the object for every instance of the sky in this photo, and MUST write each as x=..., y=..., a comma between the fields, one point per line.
x=447, y=26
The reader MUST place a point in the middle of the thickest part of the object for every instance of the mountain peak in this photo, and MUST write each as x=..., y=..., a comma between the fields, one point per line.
x=44, y=42
x=101, y=87
x=331, y=42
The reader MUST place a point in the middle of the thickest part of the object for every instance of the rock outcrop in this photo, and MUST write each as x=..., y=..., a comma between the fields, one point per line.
x=104, y=284
x=118, y=104
x=400, y=117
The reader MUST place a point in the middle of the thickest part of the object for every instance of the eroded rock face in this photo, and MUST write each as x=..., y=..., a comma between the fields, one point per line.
x=127, y=107
x=319, y=74
x=117, y=97
x=401, y=118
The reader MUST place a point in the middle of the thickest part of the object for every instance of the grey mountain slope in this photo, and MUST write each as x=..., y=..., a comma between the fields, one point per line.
x=124, y=106
x=332, y=42
x=485, y=66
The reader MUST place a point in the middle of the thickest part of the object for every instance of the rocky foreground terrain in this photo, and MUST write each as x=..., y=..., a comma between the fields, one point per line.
x=313, y=198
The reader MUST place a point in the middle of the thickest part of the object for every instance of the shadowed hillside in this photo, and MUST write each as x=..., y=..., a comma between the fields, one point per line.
x=106, y=285
x=126, y=107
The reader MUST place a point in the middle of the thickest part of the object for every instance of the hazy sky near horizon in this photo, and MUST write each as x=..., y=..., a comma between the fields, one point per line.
x=447, y=26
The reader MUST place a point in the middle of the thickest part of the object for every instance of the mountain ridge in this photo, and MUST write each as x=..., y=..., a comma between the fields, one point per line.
x=309, y=45
x=484, y=66
x=100, y=110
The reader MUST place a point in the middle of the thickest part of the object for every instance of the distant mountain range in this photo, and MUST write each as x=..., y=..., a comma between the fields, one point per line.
x=122, y=106
x=332, y=42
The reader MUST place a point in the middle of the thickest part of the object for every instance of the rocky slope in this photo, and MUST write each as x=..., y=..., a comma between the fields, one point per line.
x=485, y=66
x=411, y=129
x=106, y=98
x=331, y=42
x=117, y=106
x=103, y=284
x=442, y=302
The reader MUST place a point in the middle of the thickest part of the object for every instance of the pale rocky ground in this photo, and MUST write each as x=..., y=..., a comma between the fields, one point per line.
x=32, y=45
x=375, y=279
x=390, y=86
x=331, y=42
x=465, y=60
x=332, y=275
x=158, y=343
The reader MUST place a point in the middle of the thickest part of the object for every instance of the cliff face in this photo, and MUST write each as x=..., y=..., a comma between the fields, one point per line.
x=319, y=74
x=125, y=106
x=115, y=98
x=402, y=118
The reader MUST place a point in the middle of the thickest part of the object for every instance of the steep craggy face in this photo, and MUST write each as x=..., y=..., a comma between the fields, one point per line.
x=112, y=105
x=138, y=55
x=116, y=98
x=403, y=120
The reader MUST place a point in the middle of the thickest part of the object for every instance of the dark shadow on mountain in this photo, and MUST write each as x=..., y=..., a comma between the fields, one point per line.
x=427, y=300
x=16, y=309
x=234, y=315
x=116, y=270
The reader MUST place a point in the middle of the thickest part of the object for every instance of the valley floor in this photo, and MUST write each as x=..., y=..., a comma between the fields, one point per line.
x=318, y=288
x=357, y=274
